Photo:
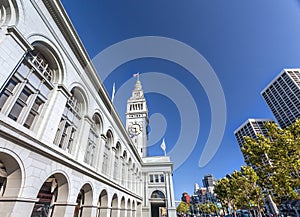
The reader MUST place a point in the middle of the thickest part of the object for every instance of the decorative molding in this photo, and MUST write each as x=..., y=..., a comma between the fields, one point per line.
x=88, y=119
x=19, y=38
x=62, y=88
x=103, y=136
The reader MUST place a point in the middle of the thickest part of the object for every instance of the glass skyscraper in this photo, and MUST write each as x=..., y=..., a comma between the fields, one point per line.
x=283, y=96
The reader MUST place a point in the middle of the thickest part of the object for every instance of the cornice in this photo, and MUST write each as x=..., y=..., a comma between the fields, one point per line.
x=66, y=27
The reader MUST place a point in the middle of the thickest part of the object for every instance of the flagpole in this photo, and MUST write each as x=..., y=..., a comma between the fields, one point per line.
x=163, y=146
x=113, y=92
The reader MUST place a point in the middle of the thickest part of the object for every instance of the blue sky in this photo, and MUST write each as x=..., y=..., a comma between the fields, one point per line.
x=247, y=43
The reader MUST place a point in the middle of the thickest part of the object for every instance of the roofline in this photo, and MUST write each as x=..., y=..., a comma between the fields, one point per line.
x=253, y=119
x=63, y=21
x=281, y=72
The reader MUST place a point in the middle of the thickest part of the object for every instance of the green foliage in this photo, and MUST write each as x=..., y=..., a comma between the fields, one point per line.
x=240, y=191
x=276, y=159
x=208, y=208
x=183, y=207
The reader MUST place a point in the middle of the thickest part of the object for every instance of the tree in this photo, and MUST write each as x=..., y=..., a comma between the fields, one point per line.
x=224, y=193
x=276, y=159
x=240, y=190
x=248, y=193
x=183, y=207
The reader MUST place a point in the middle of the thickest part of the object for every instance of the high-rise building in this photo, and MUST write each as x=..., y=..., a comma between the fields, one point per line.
x=209, y=182
x=251, y=128
x=283, y=96
x=196, y=188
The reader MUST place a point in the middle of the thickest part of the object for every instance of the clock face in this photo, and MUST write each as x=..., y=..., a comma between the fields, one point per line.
x=135, y=128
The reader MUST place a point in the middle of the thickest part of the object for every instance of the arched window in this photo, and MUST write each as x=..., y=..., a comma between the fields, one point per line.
x=157, y=194
x=93, y=140
x=117, y=161
x=69, y=122
x=124, y=169
x=129, y=173
x=106, y=153
x=25, y=93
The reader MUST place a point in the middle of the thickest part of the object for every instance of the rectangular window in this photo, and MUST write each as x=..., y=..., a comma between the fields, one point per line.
x=29, y=120
x=7, y=92
x=162, y=178
x=151, y=178
x=16, y=110
x=156, y=178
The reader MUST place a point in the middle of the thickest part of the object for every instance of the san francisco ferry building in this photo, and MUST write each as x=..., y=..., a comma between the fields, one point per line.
x=63, y=148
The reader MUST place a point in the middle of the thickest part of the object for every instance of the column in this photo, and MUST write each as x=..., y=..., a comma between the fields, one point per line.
x=115, y=212
x=88, y=211
x=16, y=207
x=53, y=114
x=103, y=212
x=63, y=209
x=100, y=153
x=84, y=132
x=171, y=201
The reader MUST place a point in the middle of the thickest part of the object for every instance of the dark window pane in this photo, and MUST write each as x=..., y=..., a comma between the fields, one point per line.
x=151, y=178
x=36, y=105
x=15, y=112
x=24, y=95
x=4, y=96
x=29, y=120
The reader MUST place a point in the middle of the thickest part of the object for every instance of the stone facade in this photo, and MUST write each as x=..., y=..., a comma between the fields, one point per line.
x=63, y=148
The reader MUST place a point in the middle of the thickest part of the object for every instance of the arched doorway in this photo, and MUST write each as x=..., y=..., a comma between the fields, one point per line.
x=54, y=190
x=133, y=212
x=114, y=206
x=10, y=182
x=158, y=204
x=122, y=211
x=10, y=176
x=102, y=204
x=128, y=208
x=84, y=202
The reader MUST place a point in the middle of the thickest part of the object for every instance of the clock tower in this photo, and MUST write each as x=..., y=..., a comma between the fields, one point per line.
x=137, y=118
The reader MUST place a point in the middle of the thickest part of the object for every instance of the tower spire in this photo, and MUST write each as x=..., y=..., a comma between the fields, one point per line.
x=137, y=118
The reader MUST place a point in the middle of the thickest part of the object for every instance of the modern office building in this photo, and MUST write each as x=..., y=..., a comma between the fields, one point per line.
x=283, y=96
x=63, y=148
x=209, y=182
x=251, y=128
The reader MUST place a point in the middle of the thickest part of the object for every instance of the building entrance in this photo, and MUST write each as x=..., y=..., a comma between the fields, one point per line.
x=158, y=204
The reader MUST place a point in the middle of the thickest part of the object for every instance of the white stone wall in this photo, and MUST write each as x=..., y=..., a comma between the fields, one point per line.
x=30, y=156
x=33, y=149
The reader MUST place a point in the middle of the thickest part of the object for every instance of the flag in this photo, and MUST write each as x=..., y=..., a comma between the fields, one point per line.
x=163, y=146
x=113, y=92
x=136, y=74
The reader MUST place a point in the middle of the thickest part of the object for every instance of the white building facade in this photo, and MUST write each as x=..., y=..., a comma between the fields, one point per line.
x=63, y=148
x=283, y=96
